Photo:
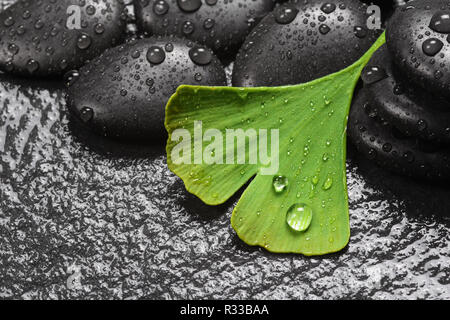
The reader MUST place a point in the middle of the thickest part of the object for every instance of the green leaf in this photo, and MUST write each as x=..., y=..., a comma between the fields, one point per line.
x=312, y=120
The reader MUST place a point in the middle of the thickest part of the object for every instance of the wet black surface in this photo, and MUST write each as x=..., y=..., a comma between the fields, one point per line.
x=84, y=217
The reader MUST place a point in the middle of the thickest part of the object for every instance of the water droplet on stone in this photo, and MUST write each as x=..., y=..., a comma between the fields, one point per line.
x=32, y=66
x=432, y=46
x=372, y=74
x=168, y=47
x=328, y=8
x=135, y=54
x=360, y=32
x=200, y=55
x=160, y=7
x=71, y=77
x=440, y=22
x=90, y=10
x=189, y=5
x=99, y=28
x=188, y=27
x=14, y=49
x=84, y=41
x=9, y=21
x=387, y=147
x=285, y=14
x=324, y=29
x=208, y=24
x=156, y=55
x=198, y=77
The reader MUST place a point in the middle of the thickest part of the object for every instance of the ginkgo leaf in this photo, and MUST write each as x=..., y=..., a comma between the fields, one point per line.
x=302, y=207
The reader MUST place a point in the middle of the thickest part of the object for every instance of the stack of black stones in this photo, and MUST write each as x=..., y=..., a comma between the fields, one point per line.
x=401, y=117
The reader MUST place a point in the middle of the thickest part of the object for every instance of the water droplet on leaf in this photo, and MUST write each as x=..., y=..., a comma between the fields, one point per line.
x=328, y=183
x=280, y=183
x=299, y=217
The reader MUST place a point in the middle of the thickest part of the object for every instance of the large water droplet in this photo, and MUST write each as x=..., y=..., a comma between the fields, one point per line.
x=324, y=29
x=440, y=22
x=285, y=14
x=84, y=41
x=432, y=46
x=299, y=217
x=189, y=5
x=372, y=74
x=160, y=7
x=200, y=56
x=280, y=183
x=328, y=8
x=156, y=55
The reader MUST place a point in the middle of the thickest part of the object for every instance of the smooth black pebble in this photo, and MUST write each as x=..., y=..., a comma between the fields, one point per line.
x=379, y=141
x=37, y=39
x=302, y=41
x=411, y=110
x=123, y=92
x=418, y=38
x=220, y=25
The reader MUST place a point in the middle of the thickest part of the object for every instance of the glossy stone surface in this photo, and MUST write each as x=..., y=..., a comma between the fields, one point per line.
x=420, y=48
x=221, y=25
x=411, y=110
x=378, y=140
x=126, y=89
x=309, y=45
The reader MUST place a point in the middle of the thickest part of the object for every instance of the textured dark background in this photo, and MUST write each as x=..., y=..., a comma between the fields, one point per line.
x=84, y=217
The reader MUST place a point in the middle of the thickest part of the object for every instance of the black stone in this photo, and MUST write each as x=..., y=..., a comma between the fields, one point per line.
x=313, y=45
x=408, y=108
x=377, y=140
x=421, y=53
x=35, y=38
x=127, y=94
x=220, y=25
